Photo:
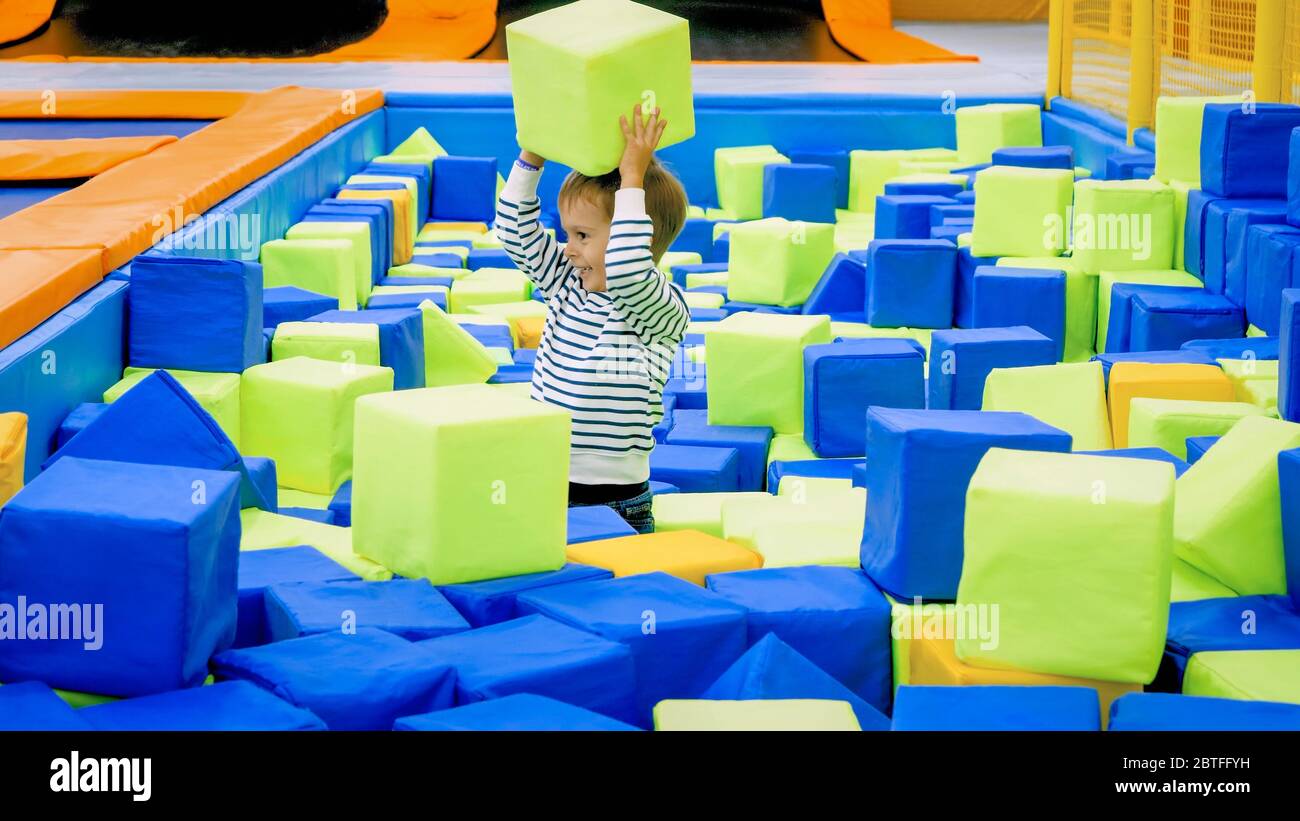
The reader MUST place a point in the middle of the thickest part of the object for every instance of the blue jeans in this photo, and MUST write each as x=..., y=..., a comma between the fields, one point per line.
x=636, y=511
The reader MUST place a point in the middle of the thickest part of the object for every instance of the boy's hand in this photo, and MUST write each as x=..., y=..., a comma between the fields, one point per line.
x=532, y=159
x=642, y=139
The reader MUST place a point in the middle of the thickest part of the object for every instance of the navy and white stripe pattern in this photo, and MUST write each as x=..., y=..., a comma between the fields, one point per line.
x=604, y=356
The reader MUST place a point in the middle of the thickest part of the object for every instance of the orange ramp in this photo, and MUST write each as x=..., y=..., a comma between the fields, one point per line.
x=865, y=29
x=25, y=160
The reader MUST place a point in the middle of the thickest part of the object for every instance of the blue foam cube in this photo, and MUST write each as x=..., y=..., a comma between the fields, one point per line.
x=493, y=601
x=709, y=314
x=227, y=706
x=940, y=214
x=680, y=272
x=962, y=359
x=589, y=523
x=920, y=462
x=407, y=301
x=1244, y=153
x=1129, y=164
x=413, y=282
x=401, y=339
x=799, y=192
x=721, y=248
x=260, y=487
x=259, y=569
x=810, y=469
x=151, y=572
x=464, y=188
x=1270, y=257
x=696, y=469
x=416, y=171
x=1164, y=712
x=1288, y=370
x=842, y=287
x=410, y=608
x=997, y=709
x=488, y=258
x=921, y=189
x=1048, y=156
x=691, y=392
x=967, y=196
x=836, y=158
x=195, y=314
x=353, y=681
x=772, y=669
x=696, y=237
x=1164, y=321
x=341, y=505
x=833, y=616
x=1293, y=180
x=1191, y=357
x=1119, y=329
x=1008, y=297
x=514, y=713
x=1240, y=221
x=691, y=428
x=571, y=665
x=435, y=259
x=963, y=298
x=1197, y=446
x=1208, y=625
x=842, y=379
x=906, y=216
x=910, y=283
x=491, y=336
x=1248, y=347
x=76, y=421
x=380, y=234
x=1288, y=475
x=1216, y=248
x=31, y=705
x=289, y=304
x=696, y=634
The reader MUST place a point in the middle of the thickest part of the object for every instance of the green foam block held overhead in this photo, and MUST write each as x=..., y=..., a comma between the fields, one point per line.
x=460, y=484
x=1178, y=137
x=1080, y=302
x=983, y=129
x=778, y=262
x=756, y=369
x=328, y=341
x=1122, y=225
x=358, y=233
x=299, y=412
x=593, y=60
x=1076, y=554
x=1070, y=396
x=1229, y=513
x=216, y=393
x=1106, y=280
x=322, y=266
x=1166, y=423
x=738, y=174
x=1021, y=212
x=1248, y=675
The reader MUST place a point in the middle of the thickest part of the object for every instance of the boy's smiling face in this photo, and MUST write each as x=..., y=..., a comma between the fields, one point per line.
x=587, y=225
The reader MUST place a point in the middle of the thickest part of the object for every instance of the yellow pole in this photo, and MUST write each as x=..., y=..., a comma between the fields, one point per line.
x=1270, y=30
x=1055, y=47
x=1142, y=44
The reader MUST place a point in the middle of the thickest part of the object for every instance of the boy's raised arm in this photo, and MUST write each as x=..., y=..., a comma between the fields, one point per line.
x=521, y=233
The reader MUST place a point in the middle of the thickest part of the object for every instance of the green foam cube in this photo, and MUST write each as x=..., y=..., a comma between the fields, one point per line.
x=1075, y=552
x=436, y=232
x=708, y=278
x=1262, y=393
x=757, y=714
x=1021, y=212
x=299, y=412
x=695, y=511
x=739, y=175
x=671, y=258
x=1249, y=675
x=704, y=300
x=798, y=544
x=803, y=488
x=330, y=341
x=1106, y=281
x=1166, y=423
x=744, y=518
x=778, y=262
x=756, y=368
x=322, y=266
x=488, y=286
x=929, y=172
x=1080, y=302
x=358, y=233
x=1189, y=584
x=593, y=60
x=869, y=170
x=1123, y=225
x=420, y=142
x=261, y=529
x=288, y=497
x=1178, y=137
x=460, y=484
x=789, y=447
x=1070, y=396
x=216, y=393
x=1254, y=381
x=983, y=129
x=415, y=269
x=1229, y=516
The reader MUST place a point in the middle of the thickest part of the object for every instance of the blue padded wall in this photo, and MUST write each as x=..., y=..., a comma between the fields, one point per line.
x=1094, y=135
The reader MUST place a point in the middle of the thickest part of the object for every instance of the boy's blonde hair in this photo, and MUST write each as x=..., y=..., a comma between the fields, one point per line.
x=665, y=200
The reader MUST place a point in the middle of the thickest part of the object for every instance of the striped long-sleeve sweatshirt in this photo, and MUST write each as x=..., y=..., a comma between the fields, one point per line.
x=604, y=356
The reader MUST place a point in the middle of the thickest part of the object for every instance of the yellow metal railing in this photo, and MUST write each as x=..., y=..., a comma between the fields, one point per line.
x=1122, y=55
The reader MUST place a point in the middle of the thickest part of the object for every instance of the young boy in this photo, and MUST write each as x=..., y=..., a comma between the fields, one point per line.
x=613, y=321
